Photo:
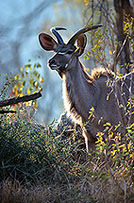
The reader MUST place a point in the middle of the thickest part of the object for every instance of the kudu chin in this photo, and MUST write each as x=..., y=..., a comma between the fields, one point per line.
x=85, y=95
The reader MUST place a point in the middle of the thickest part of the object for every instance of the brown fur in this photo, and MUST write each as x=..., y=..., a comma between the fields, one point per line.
x=68, y=93
x=98, y=72
x=78, y=104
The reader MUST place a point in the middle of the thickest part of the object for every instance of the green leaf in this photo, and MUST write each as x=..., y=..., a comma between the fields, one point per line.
x=31, y=81
x=38, y=65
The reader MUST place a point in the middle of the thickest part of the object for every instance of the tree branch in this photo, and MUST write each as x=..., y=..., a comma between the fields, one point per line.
x=17, y=100
x=6, y=111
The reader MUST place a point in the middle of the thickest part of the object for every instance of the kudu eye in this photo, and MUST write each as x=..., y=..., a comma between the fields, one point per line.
x=69, y=52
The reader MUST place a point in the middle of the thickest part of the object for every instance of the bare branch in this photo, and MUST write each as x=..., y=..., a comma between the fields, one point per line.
x=17, y=100
x=4, y=111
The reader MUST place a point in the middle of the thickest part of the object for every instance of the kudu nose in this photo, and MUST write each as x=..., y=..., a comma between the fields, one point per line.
x=52, y=64
x=51, y=61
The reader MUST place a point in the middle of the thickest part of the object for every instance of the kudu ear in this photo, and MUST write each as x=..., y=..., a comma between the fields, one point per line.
x=81, y=43
x=47, y=42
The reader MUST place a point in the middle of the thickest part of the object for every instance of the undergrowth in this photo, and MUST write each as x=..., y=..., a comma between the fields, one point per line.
x=37, y=165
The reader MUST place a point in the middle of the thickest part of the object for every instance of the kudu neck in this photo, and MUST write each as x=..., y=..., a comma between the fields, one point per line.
x=77, y=70
x=77, y=90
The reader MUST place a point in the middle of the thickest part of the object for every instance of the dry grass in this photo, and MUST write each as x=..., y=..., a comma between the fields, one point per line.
x=83, y=191
x=39, y=166
x=17, y=193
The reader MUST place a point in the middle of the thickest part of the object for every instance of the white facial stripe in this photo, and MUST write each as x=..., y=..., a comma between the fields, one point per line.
x=62, y=53
x=53, y=65
x=66, y=65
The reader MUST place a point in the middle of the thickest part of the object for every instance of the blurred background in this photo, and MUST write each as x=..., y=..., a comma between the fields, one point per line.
x=21, y=22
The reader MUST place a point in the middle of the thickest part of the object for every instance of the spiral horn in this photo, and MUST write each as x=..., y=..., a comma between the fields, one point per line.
x=57, y=35
x=82, y=31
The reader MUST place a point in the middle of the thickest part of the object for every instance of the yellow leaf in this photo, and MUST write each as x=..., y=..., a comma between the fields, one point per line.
x=132, y=155
x=27, y=103
x=15, y=77
x=92, y=109
x=21, y=94
x=35, y=105
x=13, y=109
x=86, y=2
x=107, y=97
x=110, y=52
x=19, y=77
x=51, y=149
x=40, y=89
x=28, y=91
x=15, y=87
x=21, y=69
x=107, y=124
x=110, y=136
x=41, y=80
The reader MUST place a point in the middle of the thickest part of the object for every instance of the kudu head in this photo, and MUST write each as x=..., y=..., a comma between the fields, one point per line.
x=65, y=53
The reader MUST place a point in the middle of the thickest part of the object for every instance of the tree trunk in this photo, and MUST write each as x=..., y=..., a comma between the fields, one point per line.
x=124, y=12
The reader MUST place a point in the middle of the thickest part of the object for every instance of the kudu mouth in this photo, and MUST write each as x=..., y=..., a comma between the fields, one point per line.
x=53, y=64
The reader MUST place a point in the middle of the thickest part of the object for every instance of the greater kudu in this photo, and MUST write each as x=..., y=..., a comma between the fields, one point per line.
x=85, y=95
